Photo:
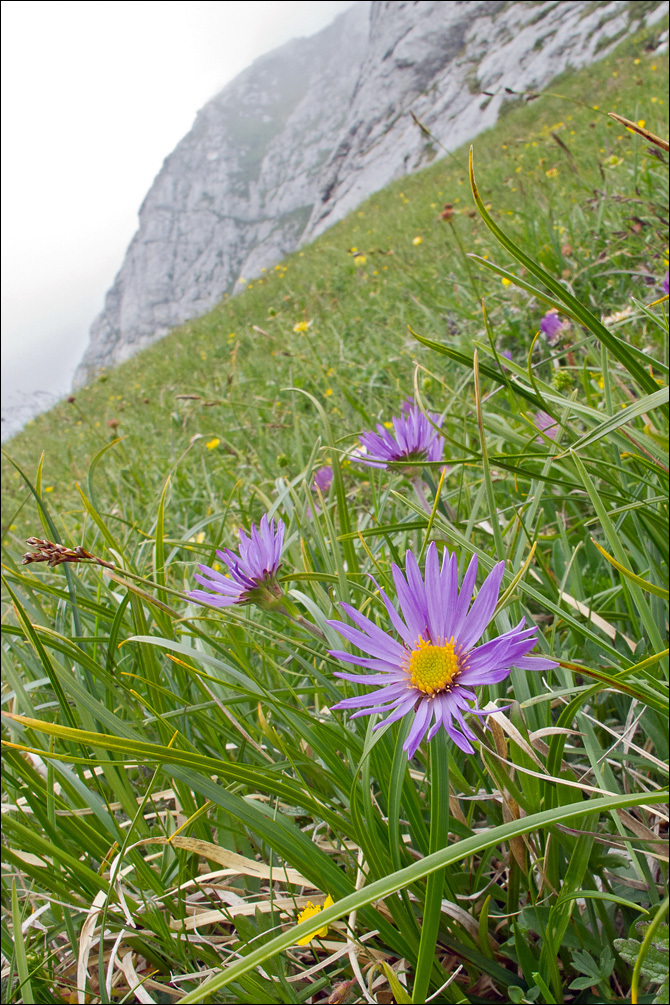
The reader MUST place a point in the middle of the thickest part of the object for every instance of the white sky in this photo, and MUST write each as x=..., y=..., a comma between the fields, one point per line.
x=94, y=97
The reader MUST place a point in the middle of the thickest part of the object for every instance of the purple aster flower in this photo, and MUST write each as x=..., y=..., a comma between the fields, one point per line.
x=430, y=674
x=252, y=573
x=547, y=424
x=407, y=406
x=323, y=479
x=507, y=353
x=414, y=439
x=665, y=285
x=550, y=326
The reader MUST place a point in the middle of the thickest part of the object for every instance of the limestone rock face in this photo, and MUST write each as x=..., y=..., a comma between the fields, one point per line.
x=308, y=131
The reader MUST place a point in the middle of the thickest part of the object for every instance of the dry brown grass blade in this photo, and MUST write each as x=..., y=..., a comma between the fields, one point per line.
x=640, y=130
x=235, y=863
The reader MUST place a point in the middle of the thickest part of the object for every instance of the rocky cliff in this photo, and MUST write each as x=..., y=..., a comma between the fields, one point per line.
x=311, y=129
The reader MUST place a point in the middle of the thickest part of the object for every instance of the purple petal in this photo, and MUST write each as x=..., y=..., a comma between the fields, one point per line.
x=482, y=609
x=436, y=607
x=535, y=663
x=361, y=661
x=418, y=730
x=460, y=740
x=372, y=679
x=382, y=694
x=396, y=620
x=373, y=640
x=414, y=615
x=212, y=599
x=464, y=597
x=482, y=677
x=402, y=709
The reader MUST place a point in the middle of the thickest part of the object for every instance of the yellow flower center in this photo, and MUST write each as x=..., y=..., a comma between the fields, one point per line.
x=432, y=668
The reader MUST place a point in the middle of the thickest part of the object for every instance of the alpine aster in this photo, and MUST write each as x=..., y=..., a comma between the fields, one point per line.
x=414, y=439
x=429, y=674
x=252, y=573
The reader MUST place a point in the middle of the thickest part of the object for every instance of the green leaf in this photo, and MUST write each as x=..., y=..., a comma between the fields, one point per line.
x=398, y=990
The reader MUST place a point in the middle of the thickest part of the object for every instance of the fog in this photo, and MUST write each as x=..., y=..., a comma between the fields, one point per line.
x=94, y=97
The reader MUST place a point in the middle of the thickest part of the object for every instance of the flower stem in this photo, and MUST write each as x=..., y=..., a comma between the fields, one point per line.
x=439, y=836
x=309, y=626
x=419, y=491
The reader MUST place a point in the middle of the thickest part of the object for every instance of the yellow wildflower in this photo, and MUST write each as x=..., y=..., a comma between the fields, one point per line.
x=309, y=911
x=360, y=260
x=417, y=240
x=552, y=173
x=641, y=123
x=213, y=443
x=48, y=488
x=505, y=281
x=301, y=326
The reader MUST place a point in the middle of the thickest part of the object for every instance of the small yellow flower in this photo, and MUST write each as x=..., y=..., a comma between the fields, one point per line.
x=199, y=537
x=636, y=62
x=213, y=444
x=505, y=281
x=301, y=326
x=552, y=173
x=388, y=425
x=309, y=911
x=360, y=260
x=48, y=488
x=329, y=391
x=641, y=123
x=417, y=240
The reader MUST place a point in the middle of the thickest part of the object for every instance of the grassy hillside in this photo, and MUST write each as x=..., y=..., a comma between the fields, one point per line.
x=194, y=752
x=572, y=203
